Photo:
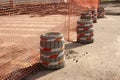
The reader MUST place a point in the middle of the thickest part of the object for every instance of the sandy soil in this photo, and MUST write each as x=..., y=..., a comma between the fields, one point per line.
x=97, y=61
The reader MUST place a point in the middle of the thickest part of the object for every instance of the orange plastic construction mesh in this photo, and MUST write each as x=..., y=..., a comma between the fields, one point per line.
x=88, y=3
x=21, y=24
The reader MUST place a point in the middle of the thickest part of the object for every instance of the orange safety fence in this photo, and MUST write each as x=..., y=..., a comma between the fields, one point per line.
x=87, y=3
x=20, y=28
x=22, y=24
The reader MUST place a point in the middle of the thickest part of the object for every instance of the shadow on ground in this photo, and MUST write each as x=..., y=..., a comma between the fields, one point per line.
x=38, y=73
x=23, y=73
x=73, y=45
x=37, y=70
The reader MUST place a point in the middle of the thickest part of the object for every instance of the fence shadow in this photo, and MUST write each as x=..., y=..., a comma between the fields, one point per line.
x=22, y=74
x=37, y=70
x=38, y=73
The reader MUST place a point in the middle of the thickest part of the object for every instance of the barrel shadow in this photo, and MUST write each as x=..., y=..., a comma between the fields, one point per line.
x=73, y=45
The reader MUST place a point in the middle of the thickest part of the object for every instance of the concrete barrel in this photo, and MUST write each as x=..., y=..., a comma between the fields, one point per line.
x=101, y=12
x=94, y=15
x=86, y=15
x=85, y=29
x=52, y=50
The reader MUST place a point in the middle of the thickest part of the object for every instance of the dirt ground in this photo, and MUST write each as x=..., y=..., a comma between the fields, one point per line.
x=97, y=61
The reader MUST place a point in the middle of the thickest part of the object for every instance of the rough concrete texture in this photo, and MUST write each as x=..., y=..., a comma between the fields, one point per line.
x=97, y=61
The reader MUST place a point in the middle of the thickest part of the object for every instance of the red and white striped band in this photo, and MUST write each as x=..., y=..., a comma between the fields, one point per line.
x=53, y=56
x=86, y=34
x=83, y=24
x=51, y=50
x=52, y=63
x=84, y=29
x=47, y=40
x=89, y=38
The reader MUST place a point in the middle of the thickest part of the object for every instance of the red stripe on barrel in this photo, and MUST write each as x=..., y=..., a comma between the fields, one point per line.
x=43, y=40
x=53, y=56
x=86, y=29
x=45, y=63
x=58, y=39
x=81, y=35
x=88, y=38
x=47, y=49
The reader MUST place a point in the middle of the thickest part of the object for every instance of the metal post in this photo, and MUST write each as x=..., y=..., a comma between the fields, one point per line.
x=69, y=15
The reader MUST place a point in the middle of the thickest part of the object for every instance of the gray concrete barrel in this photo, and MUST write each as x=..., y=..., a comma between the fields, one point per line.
x=101, y=12
x=85, y=29
x=94, y=15
x=52, y=50
x=86, y=15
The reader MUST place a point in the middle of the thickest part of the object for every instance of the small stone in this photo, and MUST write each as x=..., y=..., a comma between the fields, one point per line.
x=65, y=72
x=83, y=54
x=101, y=62
x=73, y=59
x=76, y=60
x=86, y=52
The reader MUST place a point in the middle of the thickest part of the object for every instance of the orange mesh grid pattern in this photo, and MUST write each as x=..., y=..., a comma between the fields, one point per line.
x=88, y=3
x=21, y=26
